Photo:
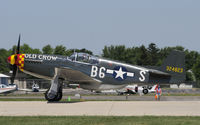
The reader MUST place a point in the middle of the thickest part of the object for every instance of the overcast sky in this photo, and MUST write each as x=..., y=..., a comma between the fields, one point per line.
x=92, y=24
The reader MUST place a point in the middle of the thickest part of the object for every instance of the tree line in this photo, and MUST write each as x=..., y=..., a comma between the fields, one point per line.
x=154, y=56
x=144, y=56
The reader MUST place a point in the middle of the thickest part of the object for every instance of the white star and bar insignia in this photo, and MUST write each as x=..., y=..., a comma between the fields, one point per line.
x=120, y=73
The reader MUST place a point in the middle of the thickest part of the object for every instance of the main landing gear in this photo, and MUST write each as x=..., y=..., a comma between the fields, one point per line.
x=54, y=93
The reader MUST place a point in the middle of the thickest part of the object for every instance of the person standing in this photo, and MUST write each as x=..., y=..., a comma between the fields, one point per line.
x=158, y=93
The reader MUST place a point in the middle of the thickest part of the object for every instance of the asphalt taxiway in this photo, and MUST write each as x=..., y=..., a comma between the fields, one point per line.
x=100, y=108
x=112, y=98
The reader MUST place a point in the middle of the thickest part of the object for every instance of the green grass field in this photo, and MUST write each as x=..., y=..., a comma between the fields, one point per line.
x=99, y=120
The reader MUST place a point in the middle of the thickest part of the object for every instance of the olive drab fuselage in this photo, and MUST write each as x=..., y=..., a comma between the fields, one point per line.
x=89, y=71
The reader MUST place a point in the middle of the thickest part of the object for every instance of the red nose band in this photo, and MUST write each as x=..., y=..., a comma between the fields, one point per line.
x=9, y=58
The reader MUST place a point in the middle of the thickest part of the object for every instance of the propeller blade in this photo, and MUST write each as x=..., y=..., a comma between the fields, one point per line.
x=18, y=46
x=14, y=67
x=14, y=73
x=10, y=66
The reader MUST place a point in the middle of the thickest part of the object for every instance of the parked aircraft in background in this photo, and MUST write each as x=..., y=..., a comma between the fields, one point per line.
x=94, y=73
x=134, y=89
x=34, y=88
x=73, y=86
x=7, y=88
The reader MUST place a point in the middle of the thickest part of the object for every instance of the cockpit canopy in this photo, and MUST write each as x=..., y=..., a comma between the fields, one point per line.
x=84, y=57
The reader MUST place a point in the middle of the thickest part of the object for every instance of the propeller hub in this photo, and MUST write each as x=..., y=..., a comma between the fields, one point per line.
x=17, y=59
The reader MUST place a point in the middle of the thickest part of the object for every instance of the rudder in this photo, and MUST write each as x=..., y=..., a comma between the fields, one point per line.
x=174, y=64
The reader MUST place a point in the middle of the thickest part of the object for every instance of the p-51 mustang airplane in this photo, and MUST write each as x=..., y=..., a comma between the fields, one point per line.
x=94, y=73
x=7, y=88
x=134, y=89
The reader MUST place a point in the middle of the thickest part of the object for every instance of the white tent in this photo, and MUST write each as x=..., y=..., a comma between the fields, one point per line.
x=4, y=79
x=3, y=76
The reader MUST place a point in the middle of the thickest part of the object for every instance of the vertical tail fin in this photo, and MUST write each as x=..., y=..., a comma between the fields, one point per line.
x=174, y=64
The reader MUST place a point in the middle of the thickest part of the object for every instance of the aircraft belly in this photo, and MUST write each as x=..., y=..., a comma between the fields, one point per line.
x=3, y=91
x=156, y=78
x=86, y=82
x=7, y=91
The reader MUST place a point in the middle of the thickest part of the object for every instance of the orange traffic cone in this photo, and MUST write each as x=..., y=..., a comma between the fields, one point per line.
x=156, y=97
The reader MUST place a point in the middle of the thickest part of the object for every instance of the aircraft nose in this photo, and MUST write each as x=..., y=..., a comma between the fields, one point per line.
x=11, y=59
x=17, y=59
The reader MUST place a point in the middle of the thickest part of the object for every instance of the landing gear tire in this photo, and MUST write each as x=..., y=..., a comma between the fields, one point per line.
x=57, y=97
x=47, y=97
x=145, y=91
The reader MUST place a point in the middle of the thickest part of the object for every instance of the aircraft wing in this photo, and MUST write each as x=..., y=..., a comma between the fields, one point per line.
x=72, y=74
x=26, y=90
x=30, y=90
x=7, y=91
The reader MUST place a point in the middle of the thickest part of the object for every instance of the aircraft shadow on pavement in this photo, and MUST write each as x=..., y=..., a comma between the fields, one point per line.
x=64, y=102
